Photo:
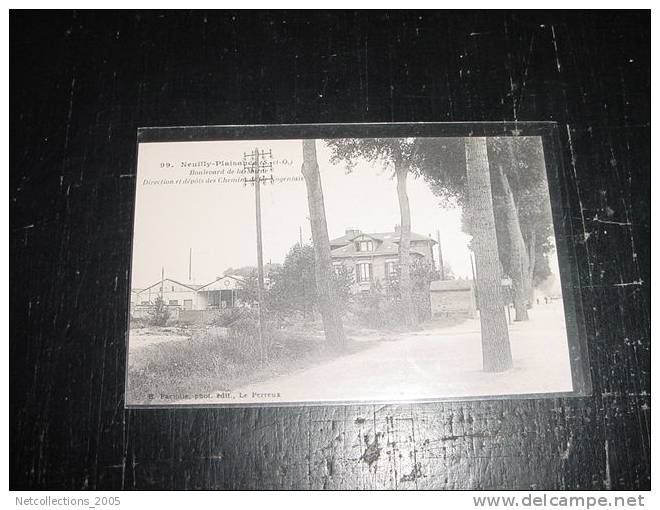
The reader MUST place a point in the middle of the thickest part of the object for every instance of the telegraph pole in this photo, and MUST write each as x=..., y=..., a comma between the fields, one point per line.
x=257, y=208
x=254, y=160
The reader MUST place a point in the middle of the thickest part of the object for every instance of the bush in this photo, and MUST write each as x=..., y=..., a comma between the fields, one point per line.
x=210, y=362
x=242, y=342
x=293, y=287
x=377, y=309
x=227, y=317
x=380, y=308
x=158, y=315
x=138, y=322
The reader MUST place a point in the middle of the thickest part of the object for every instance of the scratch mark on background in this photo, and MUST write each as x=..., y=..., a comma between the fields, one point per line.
x=554, y=43
x=608, y=475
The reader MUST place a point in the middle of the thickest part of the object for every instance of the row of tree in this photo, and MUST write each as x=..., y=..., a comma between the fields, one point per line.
x=501, y=178
x=519, y=189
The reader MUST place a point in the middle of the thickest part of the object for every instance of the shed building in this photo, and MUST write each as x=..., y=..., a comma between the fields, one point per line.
x=453, y=297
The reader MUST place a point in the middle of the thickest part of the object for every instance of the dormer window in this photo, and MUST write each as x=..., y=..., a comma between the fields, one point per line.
x=365, y=246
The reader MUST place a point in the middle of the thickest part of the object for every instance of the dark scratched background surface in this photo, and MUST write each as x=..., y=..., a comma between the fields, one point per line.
x=82, y=82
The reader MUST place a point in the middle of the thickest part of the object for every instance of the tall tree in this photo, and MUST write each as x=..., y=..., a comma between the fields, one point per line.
x=294, y=283
x=327, y=300
x=496, y=349
x=520, y=192
x=442, y=163
x=401, y=169
x=518, y=256
x=399, y=154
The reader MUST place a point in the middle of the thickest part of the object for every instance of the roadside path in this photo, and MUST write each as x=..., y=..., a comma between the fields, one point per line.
x=433, y=363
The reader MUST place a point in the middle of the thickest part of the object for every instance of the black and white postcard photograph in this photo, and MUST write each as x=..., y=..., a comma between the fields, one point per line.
x=336, y=249
x=344, y=270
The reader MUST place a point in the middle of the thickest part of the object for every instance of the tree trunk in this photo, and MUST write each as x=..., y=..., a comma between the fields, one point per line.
x=496, y=350
x=327, y=298
x=518, y=261
x=405, y=284
x=531, y=256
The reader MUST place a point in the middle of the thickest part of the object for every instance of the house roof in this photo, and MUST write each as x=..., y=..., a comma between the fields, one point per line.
x=385, y=248
x=387, y=243
x=188, y=285
x=450, y=285
x=380, y=236
x=239, y=279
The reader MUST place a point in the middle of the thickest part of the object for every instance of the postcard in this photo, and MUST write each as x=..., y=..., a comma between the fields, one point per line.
x=343, y=265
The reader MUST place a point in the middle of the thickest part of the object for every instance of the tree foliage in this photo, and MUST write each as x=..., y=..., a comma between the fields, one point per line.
x=521, y=159
x=249, y=290
x=158, y=314
x=248, y=271
x=401, y=156
x=441, y=161
x=384, y=151
x=293, y=284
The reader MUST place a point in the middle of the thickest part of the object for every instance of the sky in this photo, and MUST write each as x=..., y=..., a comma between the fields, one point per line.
x=179, y=208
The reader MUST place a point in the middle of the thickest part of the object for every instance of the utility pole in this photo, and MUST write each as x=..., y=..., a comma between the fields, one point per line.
x=259, y=161
x=440, y=259
x=190, y=266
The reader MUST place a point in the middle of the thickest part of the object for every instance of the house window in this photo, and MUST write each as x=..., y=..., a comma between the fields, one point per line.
x=363, y=272
x=144, y=302
x=365, y=246
x=336, y=266
x=172, y=288
x=391, y=269
x=174, y=302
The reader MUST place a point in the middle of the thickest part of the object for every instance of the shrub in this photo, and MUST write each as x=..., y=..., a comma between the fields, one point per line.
x=377, y=308
x=158, y=314
x=138, y=322
x=225, y=318
x=383, y=308
x=293, y=287
x=210, y=362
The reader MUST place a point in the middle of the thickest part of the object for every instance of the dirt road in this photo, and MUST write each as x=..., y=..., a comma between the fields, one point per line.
x=432, y=363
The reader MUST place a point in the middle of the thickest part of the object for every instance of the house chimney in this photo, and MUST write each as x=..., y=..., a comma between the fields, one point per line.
x=397, y=228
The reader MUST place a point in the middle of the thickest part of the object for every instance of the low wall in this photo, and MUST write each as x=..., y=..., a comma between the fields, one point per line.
x=142, y=312
x=199, y=316
x=453, y=302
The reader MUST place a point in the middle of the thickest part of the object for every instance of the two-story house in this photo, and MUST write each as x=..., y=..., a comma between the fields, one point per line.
x=375, y=256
